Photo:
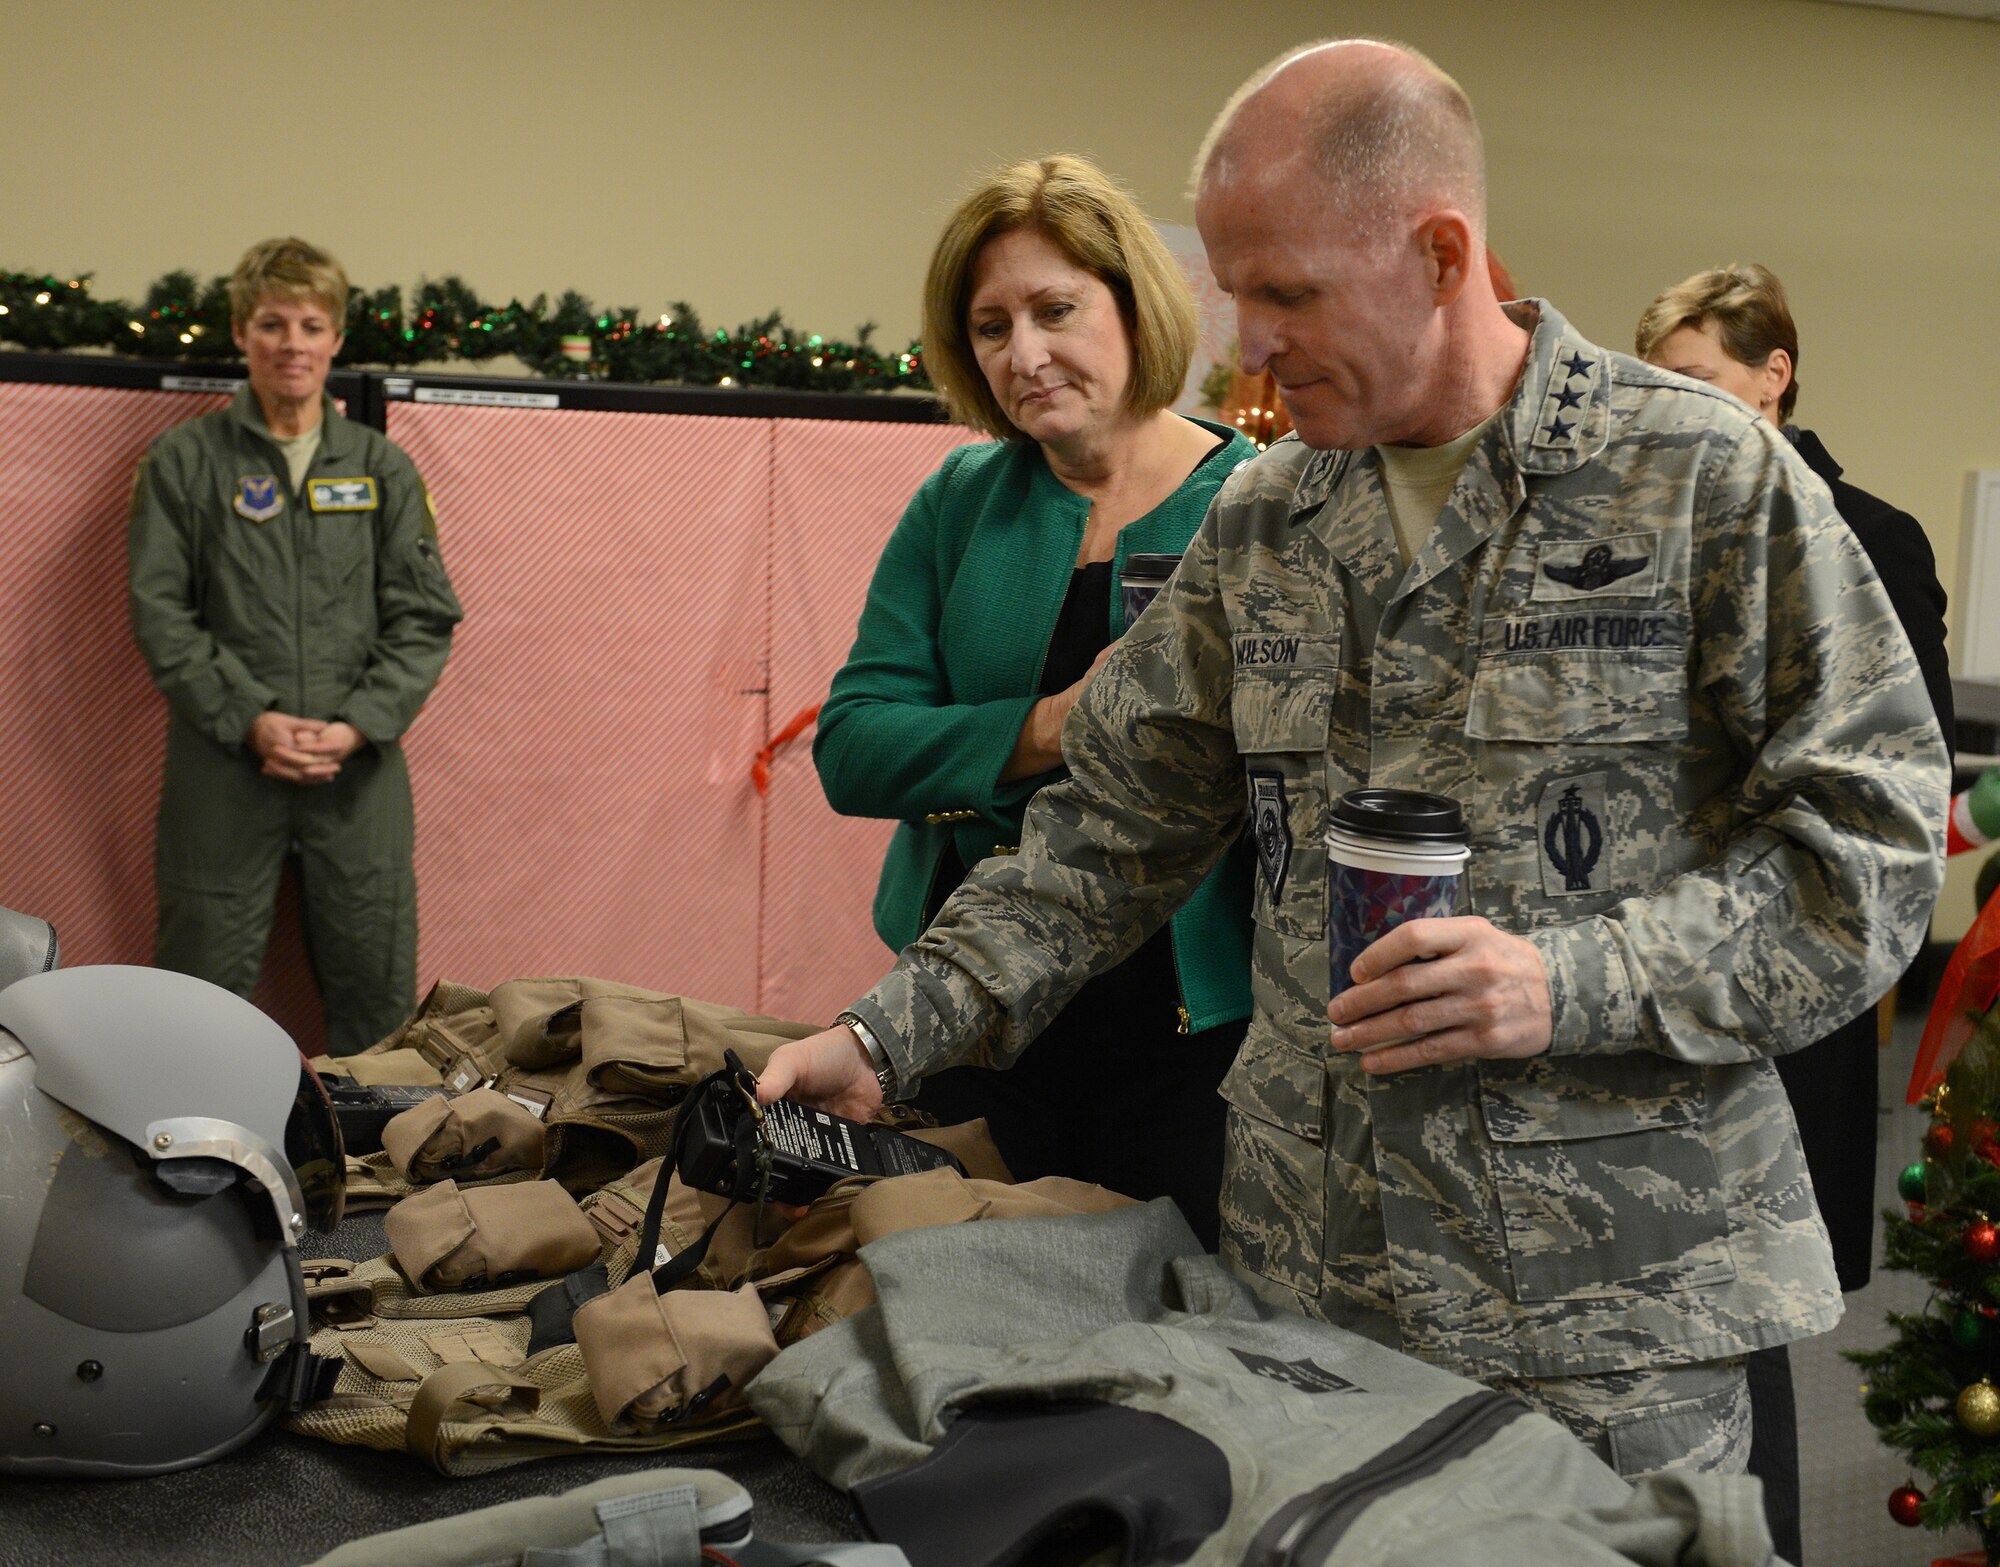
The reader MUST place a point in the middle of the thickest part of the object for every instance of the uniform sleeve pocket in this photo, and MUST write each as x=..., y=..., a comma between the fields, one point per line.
x=1581, y=698
x=1606, y=1182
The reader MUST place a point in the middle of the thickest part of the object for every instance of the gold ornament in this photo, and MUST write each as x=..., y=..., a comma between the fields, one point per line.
x=1979, y=1408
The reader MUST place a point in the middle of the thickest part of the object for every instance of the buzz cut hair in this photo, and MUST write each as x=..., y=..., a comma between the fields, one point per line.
x=290, y=269
x=1387, y=147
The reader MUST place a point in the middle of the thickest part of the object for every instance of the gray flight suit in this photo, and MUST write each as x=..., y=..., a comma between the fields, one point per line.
x=1702, y=777
x=329, y=603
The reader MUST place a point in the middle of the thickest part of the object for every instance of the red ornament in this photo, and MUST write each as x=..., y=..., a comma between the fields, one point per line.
x=1937, y=1141
x=1982, y=1241
x=1989, y=1150
x=1904, y=1503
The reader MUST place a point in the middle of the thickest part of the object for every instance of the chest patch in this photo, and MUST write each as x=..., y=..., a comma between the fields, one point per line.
x=1308, y=1376
x=1572, y=828
x=342, y=494
x=1271, y=828
x=259, y=497
x=1624, y=567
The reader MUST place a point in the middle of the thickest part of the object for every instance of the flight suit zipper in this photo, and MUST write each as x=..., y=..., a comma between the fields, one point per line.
x=1307, y=1530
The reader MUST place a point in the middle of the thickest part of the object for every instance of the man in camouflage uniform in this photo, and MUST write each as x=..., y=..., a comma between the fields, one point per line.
x=1704, y=788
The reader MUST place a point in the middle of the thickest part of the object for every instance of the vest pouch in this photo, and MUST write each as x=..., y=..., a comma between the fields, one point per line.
x=396, y=1067
x=658, y=1360
x=535, y=1021
x=488, y=1237
x=470, y=1135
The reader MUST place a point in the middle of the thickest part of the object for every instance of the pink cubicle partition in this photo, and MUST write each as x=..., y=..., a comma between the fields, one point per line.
x=648, y=597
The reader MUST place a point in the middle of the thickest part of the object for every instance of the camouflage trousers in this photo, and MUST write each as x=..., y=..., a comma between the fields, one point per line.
x=1639, y=1421
x=1643, y=1421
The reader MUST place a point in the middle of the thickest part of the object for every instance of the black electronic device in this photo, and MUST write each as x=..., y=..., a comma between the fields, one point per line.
x=785, y=1152
x=363, y=1109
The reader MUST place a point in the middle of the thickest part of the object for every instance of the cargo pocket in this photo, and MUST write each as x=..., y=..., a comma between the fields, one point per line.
x=656, y=1360
x=1274, y=1167
x=1708, y=1433
x=447, y=1239
x=483, y=1133
x=1605, y=1179
x=1281, y=727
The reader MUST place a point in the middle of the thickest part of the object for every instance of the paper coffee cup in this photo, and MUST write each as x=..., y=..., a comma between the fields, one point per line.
x=1392, y=855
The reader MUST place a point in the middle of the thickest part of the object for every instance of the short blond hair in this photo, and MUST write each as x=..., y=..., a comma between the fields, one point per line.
x=1747, y=306
x=1094, y=221
x=289, y=269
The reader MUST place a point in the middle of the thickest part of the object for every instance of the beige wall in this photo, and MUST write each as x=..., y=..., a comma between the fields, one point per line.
x=798, y=154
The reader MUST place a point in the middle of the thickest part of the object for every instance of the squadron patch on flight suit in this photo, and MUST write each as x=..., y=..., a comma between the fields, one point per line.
x=1307, y=1376
x=1625, y=567
x=1571, y=828
x=259, y=497
x=1271, y=828
x=342, y=494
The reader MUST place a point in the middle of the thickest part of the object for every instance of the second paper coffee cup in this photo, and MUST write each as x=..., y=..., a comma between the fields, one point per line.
x=1392, y=855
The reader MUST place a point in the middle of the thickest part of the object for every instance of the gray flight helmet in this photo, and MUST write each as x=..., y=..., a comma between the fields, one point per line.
x=164, y=1145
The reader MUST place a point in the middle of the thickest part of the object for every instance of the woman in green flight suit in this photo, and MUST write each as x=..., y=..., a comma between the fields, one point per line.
x=289, y=598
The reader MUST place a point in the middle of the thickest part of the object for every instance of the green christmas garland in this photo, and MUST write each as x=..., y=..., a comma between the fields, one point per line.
x=183, y=318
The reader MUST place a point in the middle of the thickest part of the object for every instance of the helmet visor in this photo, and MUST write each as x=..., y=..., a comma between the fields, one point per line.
x=314, y=1150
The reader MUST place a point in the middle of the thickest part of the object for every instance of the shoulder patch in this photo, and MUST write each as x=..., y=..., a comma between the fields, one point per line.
x=259, y=497
x=342, y=494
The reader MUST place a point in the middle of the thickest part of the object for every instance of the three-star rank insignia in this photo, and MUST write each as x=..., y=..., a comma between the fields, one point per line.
x=259, y=497
x=1271, y=828
x=1572, y=378
x=342, y=494
x=1571, y=829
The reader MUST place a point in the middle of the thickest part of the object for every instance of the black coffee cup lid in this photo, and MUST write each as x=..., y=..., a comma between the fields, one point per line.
x=1405, y=815
x=1150, y=565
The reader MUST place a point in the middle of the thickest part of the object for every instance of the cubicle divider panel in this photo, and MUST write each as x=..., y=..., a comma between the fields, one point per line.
x=838, y=488
x=86, y=731
x=581, y=772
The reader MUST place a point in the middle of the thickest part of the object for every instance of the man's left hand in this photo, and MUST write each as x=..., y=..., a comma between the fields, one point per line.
x=1481, y=994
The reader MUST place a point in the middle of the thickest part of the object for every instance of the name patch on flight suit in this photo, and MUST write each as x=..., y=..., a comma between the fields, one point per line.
x=1571, y=829
x=259, y=497
x=341, y=494
x=1307, y=1376
x=1271, y=828
x=1625, y=567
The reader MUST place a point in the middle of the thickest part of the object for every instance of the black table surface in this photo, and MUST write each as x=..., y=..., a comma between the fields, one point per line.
x=283, y=1499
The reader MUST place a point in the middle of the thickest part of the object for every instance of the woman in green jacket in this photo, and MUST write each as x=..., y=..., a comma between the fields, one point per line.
x=1055, y=320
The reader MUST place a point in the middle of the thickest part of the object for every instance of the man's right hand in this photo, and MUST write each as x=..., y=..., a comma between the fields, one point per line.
x=278, y=738
x=829, y=1071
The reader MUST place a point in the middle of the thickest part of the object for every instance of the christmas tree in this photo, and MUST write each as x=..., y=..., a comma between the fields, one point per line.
x=1934, y=1392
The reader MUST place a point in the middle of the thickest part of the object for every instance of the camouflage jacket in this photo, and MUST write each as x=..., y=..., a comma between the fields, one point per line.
x=1637, y=601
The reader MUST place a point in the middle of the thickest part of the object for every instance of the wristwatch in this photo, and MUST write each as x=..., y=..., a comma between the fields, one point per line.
x=885, y=1069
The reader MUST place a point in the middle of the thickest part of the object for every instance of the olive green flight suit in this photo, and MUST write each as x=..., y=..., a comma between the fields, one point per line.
x=329, y=603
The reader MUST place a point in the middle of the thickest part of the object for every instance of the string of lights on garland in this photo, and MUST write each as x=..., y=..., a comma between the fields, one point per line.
x=444, y=320
x=1931, y=1393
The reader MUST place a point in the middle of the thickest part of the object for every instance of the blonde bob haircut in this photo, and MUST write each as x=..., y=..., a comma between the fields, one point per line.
x=1095, y=222
x=1745, y=303
x=288, y=269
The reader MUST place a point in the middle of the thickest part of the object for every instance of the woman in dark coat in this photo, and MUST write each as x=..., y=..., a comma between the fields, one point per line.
x=1732, y=328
